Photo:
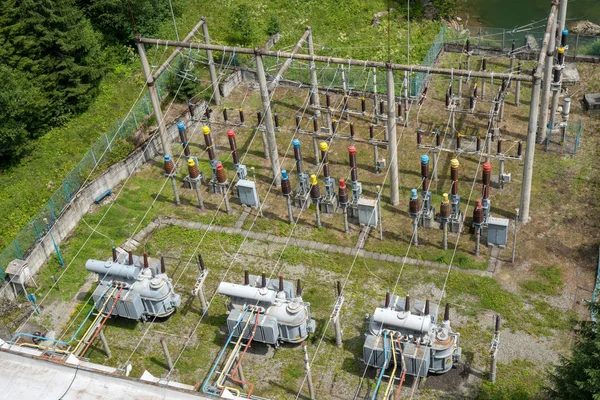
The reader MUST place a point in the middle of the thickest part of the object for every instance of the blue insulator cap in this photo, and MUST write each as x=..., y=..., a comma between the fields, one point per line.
x=167, y=158
x=296, y=143
x=180, y=126
x=413, y=194
x=284, y=175
x=424, y=159
x=565, y=32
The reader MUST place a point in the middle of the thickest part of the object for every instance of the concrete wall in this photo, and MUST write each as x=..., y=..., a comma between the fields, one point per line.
x=83, y=200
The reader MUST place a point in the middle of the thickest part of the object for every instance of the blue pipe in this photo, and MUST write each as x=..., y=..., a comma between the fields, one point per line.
x=212, y=371
x=385, y=363
x=59, y=341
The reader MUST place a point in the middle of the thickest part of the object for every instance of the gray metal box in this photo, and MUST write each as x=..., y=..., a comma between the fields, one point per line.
x=267, y=331
x=247, y=192
x=417, y=359
x=497, y=231
x=373, y=351
x=367, y=212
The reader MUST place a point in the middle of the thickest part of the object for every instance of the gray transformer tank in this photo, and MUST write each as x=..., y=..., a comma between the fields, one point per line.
x=280, y=315
x=147, y=291
x=427, y=347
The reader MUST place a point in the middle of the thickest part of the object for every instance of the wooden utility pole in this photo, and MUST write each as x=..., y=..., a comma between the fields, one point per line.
x=288, y=62
x=392, y=145
x=211, y=65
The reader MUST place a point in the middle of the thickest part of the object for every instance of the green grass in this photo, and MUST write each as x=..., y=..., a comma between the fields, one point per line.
x=519, y=380
x=548, y=282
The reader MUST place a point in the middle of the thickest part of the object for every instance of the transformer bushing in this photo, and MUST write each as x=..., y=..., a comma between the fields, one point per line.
x=445, y=212
x=355, y=184
x=170, y=173
x=456, y=213
x=343, y=202
x=183, y=138
x=301, y=196
x=428, y=214
x=213, y=183
x=329, y=202
x=478, y=222
x=194, y=179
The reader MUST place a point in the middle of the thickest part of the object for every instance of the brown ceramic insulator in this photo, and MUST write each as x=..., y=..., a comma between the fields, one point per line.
x=445, y=210
x=399, y=109
x=327, y=100
x=241, y=111
x=483, y=64
x=381, y=107
x=468, y=46
x=263, y=279
x=114, y=254
x=458, y=140
x=297, y=122
x=298, y=288
x=325, y=161
x=454, y=188
x=315, y=192
x=145, y=260
x=233, y=146
x=497, y=323
x=496, y=106
x=163, y=266
x=193, y=169
x=333, y=126
x=478, y=212
x=447, y=99
x=414, y=206
x=169, y=167
x=190, y=109
x=225, y=116
x=407, y=303
x=185, y=144
x=345, y=102
x=447, y=312
x=426, y=184
x=520, y=149
x=208, y=112
x=315, y=125
x=209, y=146
x=475, y=90
x=371, y=131
x=353, y=166
x=286, y=187
x=352, y=130
x=258, y=118
x=556, y=75
x=424, y=170
x=478, y=143
x=419, y=140
x=499, y=151
x=363, y=104
x=387, y=299
x=201, y=262
x=281, y=283
x=130, y=259
x=454, y=173
x=438, y=139
x=339, y=288
x=503, y=87
x=426, y=312
x=276, y=117
x=246, y=277
x=221, y=174
x=343, y=192
x=471, y=103
x=486, y=180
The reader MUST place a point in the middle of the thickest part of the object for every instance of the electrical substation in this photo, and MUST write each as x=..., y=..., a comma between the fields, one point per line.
x=304, y=169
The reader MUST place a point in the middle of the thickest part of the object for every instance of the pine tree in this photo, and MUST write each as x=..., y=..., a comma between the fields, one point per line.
x=578, y=376
x=55, y=47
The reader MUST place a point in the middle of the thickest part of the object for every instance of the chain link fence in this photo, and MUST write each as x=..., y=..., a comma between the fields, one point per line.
x=96, y=156
x=566, y=141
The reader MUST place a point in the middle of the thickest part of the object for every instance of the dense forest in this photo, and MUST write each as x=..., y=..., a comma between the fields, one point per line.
x=54, y=54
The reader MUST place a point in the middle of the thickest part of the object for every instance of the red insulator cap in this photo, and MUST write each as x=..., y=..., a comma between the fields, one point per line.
x=487, y=167
x=219, y=166
x=351, y=149
x=230, y=133
x=342, y=183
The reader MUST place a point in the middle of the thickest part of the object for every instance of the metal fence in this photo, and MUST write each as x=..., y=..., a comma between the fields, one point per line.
x=97, y=155
x=524, y=40
x=566, y=143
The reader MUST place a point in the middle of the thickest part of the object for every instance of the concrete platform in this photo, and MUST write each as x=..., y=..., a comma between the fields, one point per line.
x=592, y=101
x=570, y=75
x=27, y=378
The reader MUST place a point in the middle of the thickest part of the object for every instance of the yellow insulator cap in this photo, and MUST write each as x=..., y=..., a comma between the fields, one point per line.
x=240, y=109
x=454, y=163
x=334, y=120
x=561, y=50
x=445, y=199
x=205, y=130
x=191, y=162
x=459, y=134
x=313, y=180
x=323, y=146
x=475, y=85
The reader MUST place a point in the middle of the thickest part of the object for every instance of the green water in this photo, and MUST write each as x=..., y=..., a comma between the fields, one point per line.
x=512, y=13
